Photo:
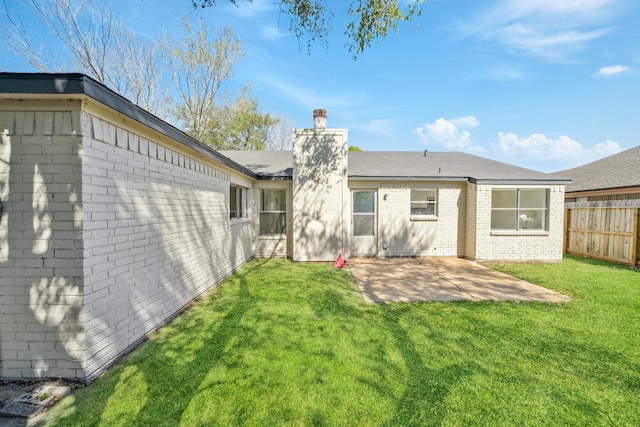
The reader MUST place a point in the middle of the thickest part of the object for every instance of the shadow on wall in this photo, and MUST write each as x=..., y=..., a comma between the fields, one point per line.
x=404, y=241
x=84, y=276
x=5, y=169
x=171, y=241
x=319, y=186
x=41, y=333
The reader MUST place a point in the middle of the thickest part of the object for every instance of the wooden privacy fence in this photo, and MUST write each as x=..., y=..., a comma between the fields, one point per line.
x=608, y=233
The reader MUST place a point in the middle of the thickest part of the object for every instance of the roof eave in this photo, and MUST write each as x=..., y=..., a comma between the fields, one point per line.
x=520, y=181
x=274, y=178
x=407, y=178
x=74, y=84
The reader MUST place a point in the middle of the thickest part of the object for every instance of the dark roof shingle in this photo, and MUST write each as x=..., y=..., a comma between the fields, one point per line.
x=616, y=171
x=441, y=166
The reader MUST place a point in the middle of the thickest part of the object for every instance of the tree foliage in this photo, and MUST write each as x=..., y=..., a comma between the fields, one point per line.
x=241, y=125
x=200, y=67
x=370, y=19
x=85, y=36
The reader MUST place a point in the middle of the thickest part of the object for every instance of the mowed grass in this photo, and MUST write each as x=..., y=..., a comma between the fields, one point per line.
x=282, y=343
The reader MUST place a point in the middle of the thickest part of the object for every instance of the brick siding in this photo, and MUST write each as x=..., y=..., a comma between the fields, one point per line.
x=109, y=230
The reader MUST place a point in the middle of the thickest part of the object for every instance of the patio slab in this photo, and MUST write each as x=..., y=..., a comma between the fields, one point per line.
x=441, y=279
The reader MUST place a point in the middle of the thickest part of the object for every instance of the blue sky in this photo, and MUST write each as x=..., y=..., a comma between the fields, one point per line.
x=544, y=84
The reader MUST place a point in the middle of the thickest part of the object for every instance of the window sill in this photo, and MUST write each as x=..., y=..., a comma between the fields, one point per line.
x=519, y=233
x=235, y=221
x=272, y=236
x=423, y=218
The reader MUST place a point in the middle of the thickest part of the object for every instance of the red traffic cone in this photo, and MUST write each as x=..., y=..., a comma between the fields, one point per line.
x=339, y=262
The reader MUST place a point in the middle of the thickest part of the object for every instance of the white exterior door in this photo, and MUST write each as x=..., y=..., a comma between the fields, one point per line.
x=364, y=241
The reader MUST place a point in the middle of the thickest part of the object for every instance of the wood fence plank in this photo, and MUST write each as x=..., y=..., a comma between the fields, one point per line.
x=635, y=238
x=609, y=233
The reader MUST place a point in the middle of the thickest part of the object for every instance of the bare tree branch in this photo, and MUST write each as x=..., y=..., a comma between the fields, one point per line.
x=94, y=42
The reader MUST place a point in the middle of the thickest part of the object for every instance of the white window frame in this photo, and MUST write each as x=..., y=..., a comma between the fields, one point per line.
x=372, y=213
x=414, y=203
x=238, y=196
x=518, y=209
x=262, y=211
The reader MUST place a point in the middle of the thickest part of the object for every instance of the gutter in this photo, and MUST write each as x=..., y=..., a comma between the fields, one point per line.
x=521, y=181
x=462, y=179
x=406, y=178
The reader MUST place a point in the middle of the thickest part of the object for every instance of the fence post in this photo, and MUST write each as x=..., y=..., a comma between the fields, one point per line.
x=566, y=231
x=635, y=239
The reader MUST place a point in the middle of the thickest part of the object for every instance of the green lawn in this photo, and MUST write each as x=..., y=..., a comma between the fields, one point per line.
x=283, y=343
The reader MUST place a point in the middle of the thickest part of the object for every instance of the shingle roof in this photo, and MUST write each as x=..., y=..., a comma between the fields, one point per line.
x=616, y=171
x=442, y=166
x=267, y=164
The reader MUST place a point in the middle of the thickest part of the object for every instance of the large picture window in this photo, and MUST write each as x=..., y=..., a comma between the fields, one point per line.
x=423, y=202
x=273, y=212
x=237, y=202
x=519, y=209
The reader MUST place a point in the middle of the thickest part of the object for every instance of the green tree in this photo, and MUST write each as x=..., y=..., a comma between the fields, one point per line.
x=370, y=19
x=200, y=67
x=241, y=125
x=354, y=148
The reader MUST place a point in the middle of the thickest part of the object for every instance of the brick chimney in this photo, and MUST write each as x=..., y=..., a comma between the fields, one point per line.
x=319, y=119
x=320, y=194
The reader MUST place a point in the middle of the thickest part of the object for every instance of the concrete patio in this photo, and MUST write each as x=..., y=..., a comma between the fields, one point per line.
x=441, y=279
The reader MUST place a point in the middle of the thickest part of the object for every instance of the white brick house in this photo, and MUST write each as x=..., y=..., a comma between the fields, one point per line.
x=112, y=221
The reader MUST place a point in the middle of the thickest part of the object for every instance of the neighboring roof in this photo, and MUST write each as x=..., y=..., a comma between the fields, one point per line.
x=74, y=84
x=399, y=165
x=616, y=171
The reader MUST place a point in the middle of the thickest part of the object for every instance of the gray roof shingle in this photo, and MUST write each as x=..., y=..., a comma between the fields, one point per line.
x=616, y=171
x=441, y=166
x=265, y=163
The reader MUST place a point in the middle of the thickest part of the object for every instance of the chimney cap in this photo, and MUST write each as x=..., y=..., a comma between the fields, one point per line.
x=320, y=118
x=319, y=113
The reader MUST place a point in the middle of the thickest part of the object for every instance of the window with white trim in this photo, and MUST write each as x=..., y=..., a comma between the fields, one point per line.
x=273, y=212
x=423, y=202
x=519, y=209
x=237, y=202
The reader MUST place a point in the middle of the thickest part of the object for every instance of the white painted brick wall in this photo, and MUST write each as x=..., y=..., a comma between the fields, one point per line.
x=160, y=235
x=471, y=222
x=105, y=234
x=41, y=319
x=523, y=246
x=404, y=236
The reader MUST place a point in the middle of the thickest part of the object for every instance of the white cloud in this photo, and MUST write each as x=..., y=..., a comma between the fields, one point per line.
x=449, y=134
x=537, y=41
x=552, y=29
x=380, y=127
x=272, y=33
x=504, y=73
x=575, y=9
x=252, y=9
x=309, y=98
x=611, y=70
x=562, y=150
